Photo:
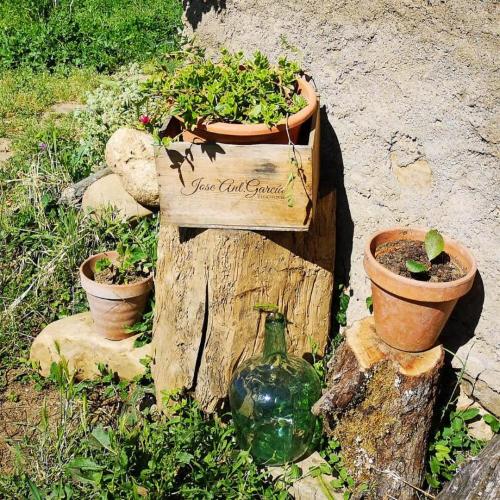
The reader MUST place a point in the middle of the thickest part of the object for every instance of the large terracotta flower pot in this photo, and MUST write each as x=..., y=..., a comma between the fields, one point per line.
x=256, y=133
x=113, y=307
x=410, y=314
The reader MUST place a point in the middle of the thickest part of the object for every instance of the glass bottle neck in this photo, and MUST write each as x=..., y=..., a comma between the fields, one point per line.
x=274, y=335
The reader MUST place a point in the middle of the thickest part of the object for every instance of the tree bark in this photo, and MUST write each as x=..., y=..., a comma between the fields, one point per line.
x=208, y=282
x=379, y=404
x=479, y=479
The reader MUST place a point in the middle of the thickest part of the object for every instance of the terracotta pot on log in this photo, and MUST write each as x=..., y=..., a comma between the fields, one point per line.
x=256, y=133
x=410, y=314
x=113, y=307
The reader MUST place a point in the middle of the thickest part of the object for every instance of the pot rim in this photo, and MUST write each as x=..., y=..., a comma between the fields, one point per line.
x=422, y=290
x=245, y=129
x=104, y=290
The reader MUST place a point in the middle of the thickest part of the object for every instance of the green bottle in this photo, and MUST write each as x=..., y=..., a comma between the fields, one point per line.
x=271, y=398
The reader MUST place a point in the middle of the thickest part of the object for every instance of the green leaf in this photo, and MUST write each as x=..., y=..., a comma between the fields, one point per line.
x=442, y=448
x=416, y=267
x=184, y=458
x=493, y=422
x=102, y=264
x=434, y=243
x=295, y=472
x=101, y=437
x=469, y=414
x=85, y=470
x=36, y=493
x=369, y=303
x=434, y=465
x=337, y=484
x=457, y=423
x=433, y=482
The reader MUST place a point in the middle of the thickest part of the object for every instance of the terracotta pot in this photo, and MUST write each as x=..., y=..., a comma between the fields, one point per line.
x=256, y=133
x=113, y=307
x=409, y=314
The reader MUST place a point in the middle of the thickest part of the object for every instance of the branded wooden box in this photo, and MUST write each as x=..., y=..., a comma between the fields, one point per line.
x=240, y=186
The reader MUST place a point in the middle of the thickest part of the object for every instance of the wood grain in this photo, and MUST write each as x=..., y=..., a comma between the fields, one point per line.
x=207, y=283
x=239, y=186
x=379, y=403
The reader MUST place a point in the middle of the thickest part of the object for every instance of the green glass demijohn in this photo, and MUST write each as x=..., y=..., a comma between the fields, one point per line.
x=271, y=397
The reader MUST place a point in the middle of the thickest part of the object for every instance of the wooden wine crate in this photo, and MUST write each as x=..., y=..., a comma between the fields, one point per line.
x=240, y=186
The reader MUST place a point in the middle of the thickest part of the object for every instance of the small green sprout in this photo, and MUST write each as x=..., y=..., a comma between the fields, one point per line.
x=434, y=245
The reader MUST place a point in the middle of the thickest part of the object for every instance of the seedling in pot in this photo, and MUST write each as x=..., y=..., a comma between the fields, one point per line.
x=132, y=265
x=434, y=246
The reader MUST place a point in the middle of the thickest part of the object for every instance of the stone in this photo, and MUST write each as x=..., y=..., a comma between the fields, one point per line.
x=108, y=192
x=130, y=154
x=478, y=429
x=64, y=108
x=308, y=487
x=415, y=79
x=481, y=374
x=417, y=174
x=74, y=340
x=5, y=149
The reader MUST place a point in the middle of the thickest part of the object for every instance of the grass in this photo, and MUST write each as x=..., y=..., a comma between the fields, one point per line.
x=110, y=442
x=101, y=34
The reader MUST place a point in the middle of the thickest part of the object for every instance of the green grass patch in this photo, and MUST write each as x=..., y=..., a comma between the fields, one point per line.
x=111, y=442
x=25, y=95
x=102, y=34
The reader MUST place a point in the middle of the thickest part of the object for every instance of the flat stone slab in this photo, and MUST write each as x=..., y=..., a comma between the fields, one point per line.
x=74, y=339
x=108, y=192
x=308, y=487
x=64, y=108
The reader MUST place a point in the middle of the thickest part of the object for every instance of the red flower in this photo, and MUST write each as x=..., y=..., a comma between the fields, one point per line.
x=144, y=119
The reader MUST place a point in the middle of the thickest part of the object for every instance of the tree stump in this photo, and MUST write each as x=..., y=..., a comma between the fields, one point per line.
x=207, y=284
x=479, y=478
x=379, y=404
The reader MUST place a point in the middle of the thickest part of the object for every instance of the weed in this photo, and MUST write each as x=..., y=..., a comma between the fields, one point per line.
x=452, y=445
x=138, y=452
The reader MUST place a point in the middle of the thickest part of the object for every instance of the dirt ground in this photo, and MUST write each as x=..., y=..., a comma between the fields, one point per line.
x=21, y=405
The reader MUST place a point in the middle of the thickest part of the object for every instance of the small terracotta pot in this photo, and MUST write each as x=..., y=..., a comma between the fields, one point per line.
x=409, y=314
x=256, y=133
x=113, y=307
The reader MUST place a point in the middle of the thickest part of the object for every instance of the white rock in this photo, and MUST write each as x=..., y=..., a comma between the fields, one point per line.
x=73, y=338
x=108, y=192
x=130, y=154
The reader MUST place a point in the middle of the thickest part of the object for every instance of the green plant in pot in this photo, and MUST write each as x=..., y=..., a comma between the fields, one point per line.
x=234, y=99
x=118, y=284
x=417, y=277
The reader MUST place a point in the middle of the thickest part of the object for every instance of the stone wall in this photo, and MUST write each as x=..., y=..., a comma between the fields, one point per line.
x=411, y=126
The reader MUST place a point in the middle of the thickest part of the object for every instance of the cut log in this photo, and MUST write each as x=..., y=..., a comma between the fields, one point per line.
x=479, y=478
x=72, y=195
x=379, y=404
x=208, y=282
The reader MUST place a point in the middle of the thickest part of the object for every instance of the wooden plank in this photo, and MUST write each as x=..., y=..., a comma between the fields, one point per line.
x=238, y=186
